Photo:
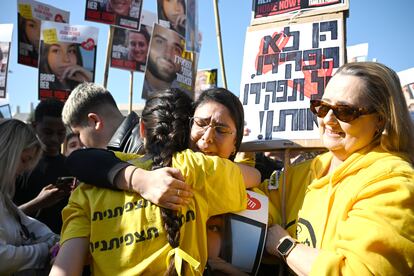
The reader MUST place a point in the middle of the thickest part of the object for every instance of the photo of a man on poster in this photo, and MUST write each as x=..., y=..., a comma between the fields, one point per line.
x=165, y=62
x=123, y=13
x=67, y=58
x=130, y=48
x=30, y=15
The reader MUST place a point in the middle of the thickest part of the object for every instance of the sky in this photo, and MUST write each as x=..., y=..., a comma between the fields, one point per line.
x=385, y=25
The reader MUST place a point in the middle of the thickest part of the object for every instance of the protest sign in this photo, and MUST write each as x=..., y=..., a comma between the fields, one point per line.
x=205, y=79
x=172, y=15
x=30, y=14
x=124, y=14
x=239, y=238
x=6, y=31
x=407, y=83
x=168, y=64
x=5, y=112
x=67, y=58
x=265, y=11
x=284, y=67
x=192, y=36
x=130, y=48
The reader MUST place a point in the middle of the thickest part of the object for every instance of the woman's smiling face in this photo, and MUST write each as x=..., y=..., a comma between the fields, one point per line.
x=342, y=138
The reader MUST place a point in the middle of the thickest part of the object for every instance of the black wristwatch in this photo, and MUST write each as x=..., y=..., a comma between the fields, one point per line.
x=285, y=246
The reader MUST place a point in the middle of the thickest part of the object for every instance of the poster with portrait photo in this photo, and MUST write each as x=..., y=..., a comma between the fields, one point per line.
x=130, y=47
x=30, y=13
x=67, y=58
x=5, y=111
x=205, y=79
x=173, y=15
x=121, y=13
x=236, y=240
x=6, y=31
x=168, y=64
x=192, y=36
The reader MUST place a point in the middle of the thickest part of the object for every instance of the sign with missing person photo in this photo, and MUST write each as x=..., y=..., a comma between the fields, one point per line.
x=236, y=240
x=67, y=58
x=6, y=31
x=30, y=15
x=130, y=47
x=125, y=14
x=169, y=65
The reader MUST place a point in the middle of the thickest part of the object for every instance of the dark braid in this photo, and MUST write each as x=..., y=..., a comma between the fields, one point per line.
x=167, y=131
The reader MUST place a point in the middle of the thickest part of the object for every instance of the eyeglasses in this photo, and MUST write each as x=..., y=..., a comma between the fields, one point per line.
x=343, y=112
x=201, y=125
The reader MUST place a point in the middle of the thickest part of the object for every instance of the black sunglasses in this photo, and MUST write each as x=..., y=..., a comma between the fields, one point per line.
x=342, y=112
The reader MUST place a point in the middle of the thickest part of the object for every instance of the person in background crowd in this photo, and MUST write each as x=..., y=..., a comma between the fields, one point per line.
x=64, y=61
x=71, y=143
x=357, y=214
x=174, y=12
x=91, y=112
x=37, y=194
x=183, y=244
x=119, y=7
x=24, y=242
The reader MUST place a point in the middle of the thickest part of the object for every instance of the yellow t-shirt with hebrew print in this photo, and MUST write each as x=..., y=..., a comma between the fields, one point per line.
x=125, y=231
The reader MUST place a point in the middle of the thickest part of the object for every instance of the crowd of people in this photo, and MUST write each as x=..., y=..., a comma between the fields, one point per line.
x=153, y=188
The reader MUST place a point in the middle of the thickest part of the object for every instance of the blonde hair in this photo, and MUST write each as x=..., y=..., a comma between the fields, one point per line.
x=15, y=137
x=383, y=89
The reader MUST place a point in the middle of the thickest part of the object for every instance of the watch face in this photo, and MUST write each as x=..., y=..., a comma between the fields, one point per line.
x=284, y=246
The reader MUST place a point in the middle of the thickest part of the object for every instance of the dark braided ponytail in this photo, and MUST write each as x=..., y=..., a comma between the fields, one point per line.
x=166, y=117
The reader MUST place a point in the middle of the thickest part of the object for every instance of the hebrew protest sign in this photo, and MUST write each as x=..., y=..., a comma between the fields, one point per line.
x=30, y=14
x=67, y=58
x=124, y=13
x=6, y=31
x=285, y=66
x=278, y=10
x=205, y=79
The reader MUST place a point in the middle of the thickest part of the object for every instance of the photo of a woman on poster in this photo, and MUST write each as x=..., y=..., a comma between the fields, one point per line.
x=67, y=58
x=30, y=15
x=172, y=14
x=64, y=61
x=28, y=37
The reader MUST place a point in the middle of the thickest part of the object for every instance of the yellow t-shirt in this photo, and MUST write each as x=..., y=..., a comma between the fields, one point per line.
x=126, y=233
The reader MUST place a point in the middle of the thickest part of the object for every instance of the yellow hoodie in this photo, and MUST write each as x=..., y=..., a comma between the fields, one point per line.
x=361, y=215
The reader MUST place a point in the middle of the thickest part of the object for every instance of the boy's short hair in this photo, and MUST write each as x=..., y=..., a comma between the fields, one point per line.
x=85, y=98
x=50, y=107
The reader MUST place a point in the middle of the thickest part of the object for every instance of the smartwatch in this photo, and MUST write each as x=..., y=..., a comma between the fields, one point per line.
x=285, y=246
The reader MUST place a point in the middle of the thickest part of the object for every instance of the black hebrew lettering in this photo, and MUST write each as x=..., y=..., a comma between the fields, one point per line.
x=312, y=59
x=129, y=237
x=331, y=53
x=114, y=242
x=110, y=213
x=271, y=41
x=321, y=27
x=97, y=214
x=294, y=36
x=282, y=87
x=297, y=58
x=151, y=231
x=104, y=246
x=118, y=211
x=129, y=206
x=140, y=236
x=301, y=84
x=320, y=84
x=301, y=119
x=190, y=215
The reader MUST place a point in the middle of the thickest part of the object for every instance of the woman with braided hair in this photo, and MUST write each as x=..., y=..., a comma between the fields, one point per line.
x=126, y=234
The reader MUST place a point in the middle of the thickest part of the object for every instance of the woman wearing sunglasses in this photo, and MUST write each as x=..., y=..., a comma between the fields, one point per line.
x=357, y=215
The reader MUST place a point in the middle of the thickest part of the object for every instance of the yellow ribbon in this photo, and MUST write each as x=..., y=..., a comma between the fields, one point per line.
x=179, y=256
